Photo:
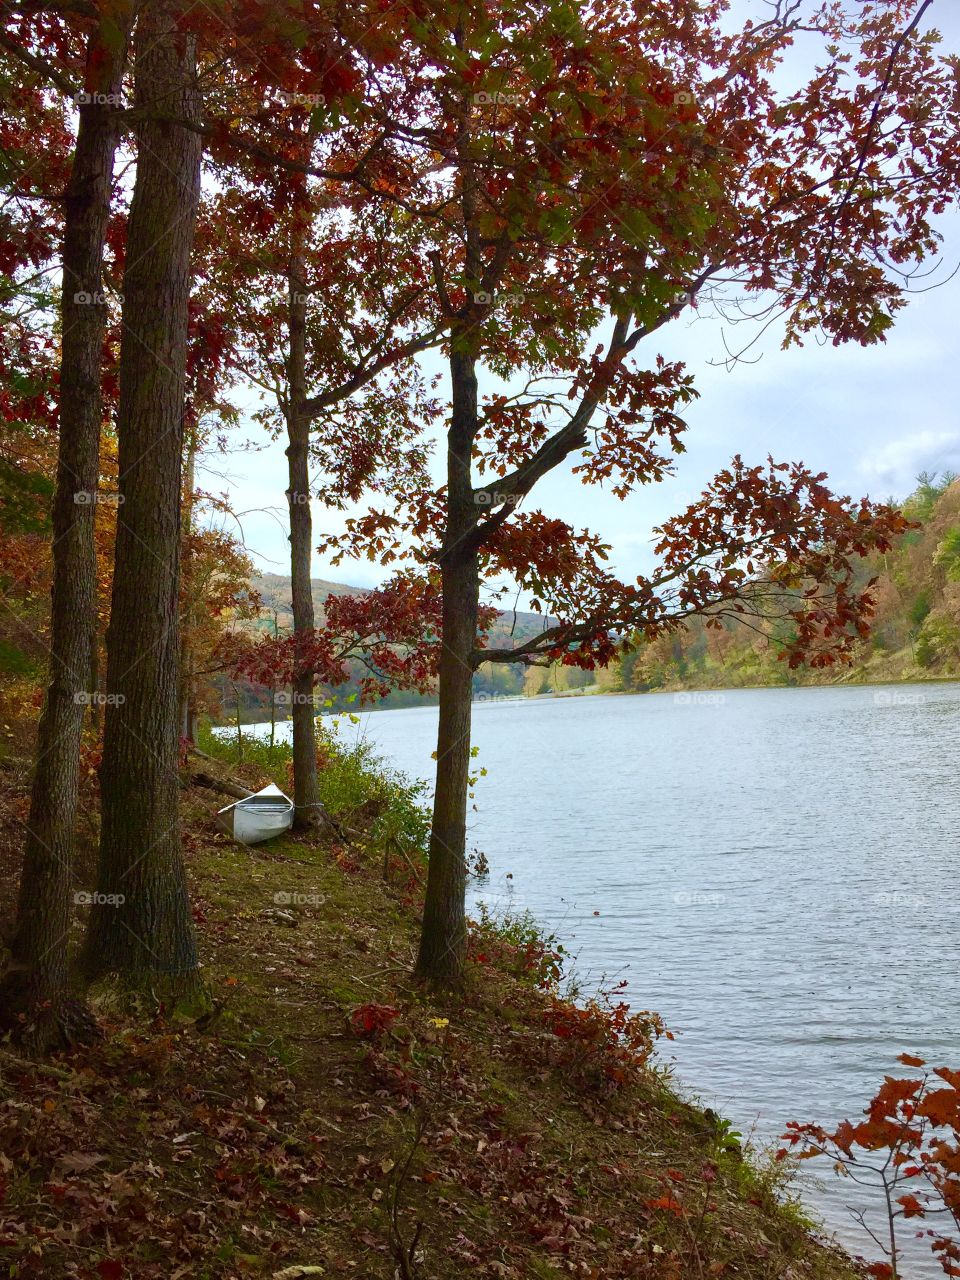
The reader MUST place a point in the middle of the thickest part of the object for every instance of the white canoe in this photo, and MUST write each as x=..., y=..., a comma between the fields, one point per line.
x=265, y=814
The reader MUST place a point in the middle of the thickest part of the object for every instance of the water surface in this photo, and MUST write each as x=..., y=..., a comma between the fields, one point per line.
x=774, y=871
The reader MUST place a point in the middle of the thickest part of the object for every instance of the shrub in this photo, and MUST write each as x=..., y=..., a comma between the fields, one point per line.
x=908, y=1150
x=357, y=782
x=948, y=553
x=938, y=641
x=275, y=761
x=919, y=609
x=604, y=1044
x=513, y=941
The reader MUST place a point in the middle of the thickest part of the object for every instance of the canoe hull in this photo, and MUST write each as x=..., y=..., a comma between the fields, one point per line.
x=251, y=825
x=261, y=816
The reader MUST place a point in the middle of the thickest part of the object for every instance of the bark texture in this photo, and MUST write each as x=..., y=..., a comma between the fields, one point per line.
x=306, y=791
x=443, y=937
x=193, y=606
x=33, y=991
x=141, y=929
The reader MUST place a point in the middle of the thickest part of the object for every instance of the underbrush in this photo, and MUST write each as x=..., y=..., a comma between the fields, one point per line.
x=356, y=785
x=332, y=1116
x=331, y=1113
x=514, y=942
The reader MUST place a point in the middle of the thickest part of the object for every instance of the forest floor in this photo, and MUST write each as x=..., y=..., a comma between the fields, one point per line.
x=331, y=1117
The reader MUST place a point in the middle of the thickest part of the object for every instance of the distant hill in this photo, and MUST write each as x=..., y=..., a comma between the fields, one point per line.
x=915, y=634
x=275, y=592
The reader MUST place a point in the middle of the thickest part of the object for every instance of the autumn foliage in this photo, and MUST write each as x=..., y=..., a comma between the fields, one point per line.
x=908, y=1149
x=604, y=1042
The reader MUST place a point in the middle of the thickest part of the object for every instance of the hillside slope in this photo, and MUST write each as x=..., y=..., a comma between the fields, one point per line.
x=277, y=614
x=333, y=1115
x=275, y=591
x=915, y=632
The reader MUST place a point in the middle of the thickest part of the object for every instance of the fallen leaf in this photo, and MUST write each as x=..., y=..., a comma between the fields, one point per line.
x=79, y=1161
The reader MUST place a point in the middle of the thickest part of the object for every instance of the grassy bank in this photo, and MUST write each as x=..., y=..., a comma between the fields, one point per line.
x=331, y=1114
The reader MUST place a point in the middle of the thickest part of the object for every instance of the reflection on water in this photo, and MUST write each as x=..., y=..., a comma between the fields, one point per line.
x=774, y=870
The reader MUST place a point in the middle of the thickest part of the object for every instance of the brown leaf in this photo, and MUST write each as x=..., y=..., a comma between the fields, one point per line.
x=78, y=1161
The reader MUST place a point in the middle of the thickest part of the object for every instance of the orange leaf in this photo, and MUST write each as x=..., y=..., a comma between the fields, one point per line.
x=942, y=1106
x=666, y=1203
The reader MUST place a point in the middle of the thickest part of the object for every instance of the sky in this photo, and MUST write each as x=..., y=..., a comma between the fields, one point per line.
x=871, y=418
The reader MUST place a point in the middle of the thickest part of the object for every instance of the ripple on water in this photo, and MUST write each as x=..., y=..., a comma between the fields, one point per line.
x=772, y=873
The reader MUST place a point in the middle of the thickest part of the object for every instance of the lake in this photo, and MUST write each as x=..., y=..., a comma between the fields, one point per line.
x=774, y=871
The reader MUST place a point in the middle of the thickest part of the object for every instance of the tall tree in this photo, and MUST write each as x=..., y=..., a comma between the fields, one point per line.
x=35, y=985
x=328, y=317
x=140, y=924
x=305, y=782
x=602, y=170
x=139, y=793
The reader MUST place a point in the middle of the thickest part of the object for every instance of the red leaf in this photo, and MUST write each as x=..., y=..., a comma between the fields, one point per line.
x=371, y=1019
x=912, y=1208
x=667, y=1203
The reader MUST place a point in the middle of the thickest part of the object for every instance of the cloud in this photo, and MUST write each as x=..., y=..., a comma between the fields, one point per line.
x=898, y=462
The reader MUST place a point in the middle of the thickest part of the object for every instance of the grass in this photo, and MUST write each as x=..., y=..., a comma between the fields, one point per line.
x=332, y=1113
x=355, y=783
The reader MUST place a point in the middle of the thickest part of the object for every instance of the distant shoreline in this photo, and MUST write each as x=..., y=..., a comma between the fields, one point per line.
x=595, y=692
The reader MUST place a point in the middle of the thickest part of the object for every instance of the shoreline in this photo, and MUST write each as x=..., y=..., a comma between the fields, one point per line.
x=596, y=692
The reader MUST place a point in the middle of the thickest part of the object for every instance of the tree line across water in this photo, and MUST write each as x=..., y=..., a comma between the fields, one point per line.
x=914, y=631
x=914, y=635
x=300, y=204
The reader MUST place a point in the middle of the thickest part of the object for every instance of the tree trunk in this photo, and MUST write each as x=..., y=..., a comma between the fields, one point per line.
x=273, y=691
x=223, y=786
x=443, y=938
x=33, y=991
x=306, y=790
x=191, y=606
x=141, y=929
